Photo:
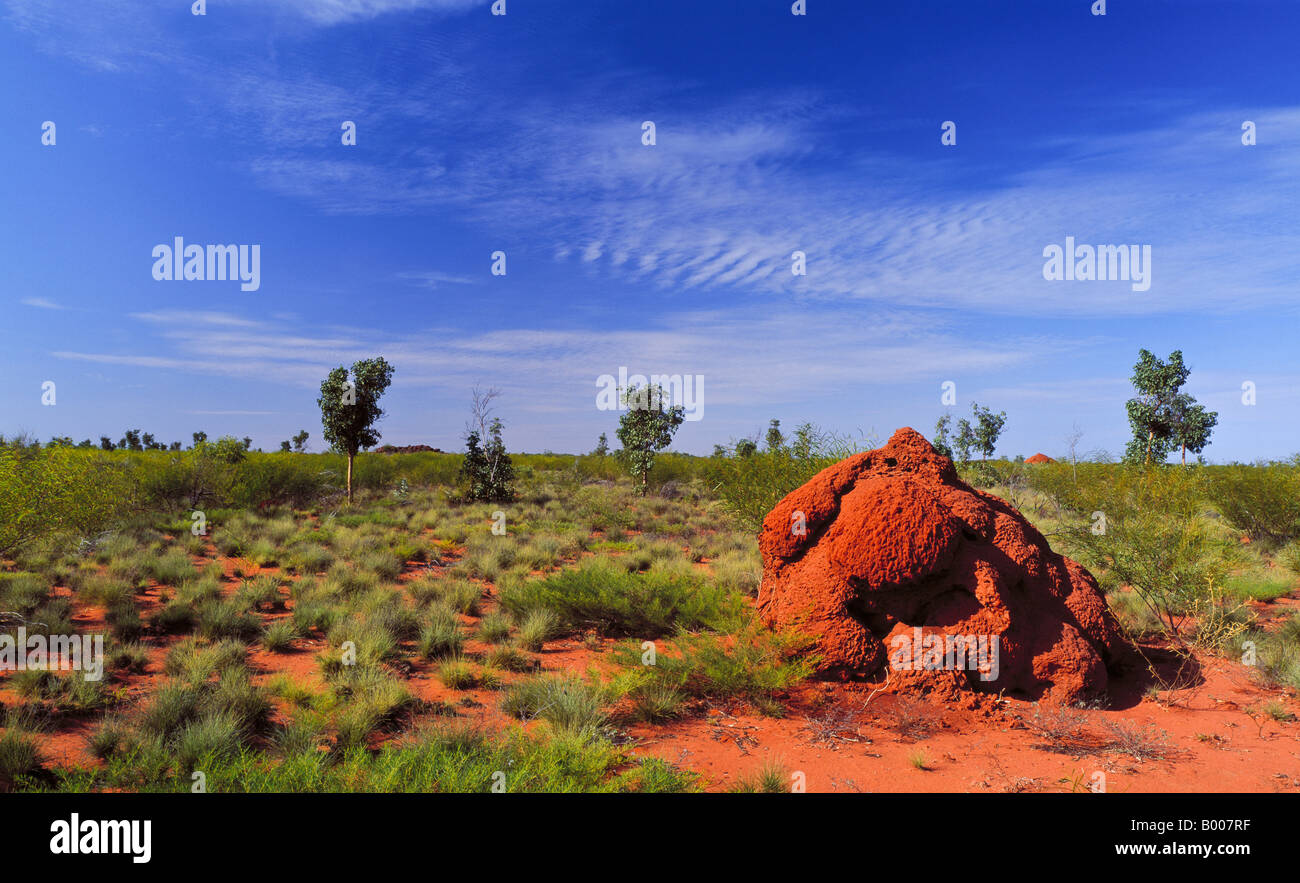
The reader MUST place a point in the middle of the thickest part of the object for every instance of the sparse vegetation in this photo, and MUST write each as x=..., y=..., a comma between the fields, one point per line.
x=413, y=588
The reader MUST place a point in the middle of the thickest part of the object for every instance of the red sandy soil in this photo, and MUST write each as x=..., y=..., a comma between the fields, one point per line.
x=844, y=740
x=847, y=736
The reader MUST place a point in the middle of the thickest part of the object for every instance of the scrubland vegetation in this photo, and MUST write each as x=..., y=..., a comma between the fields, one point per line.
x=270, y=635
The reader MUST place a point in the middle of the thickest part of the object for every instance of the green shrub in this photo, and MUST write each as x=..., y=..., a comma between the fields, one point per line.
x=494, y=628
x=751, y=486
x=124, y=619
x=279, y=636
x=1258, y=585
x=770, y=778
x=508, y=658
x=109, y=737
x=170, y=569
x=601, y=595
x=214, y=736
x=456, y=674
x=1171, y=561
x=460, y=595
x=130, y=657
x=538, y=627
x=195, y=660
x=1262, y=501
x=1277, y=652
x=175, y=616
x=227, y=619
x=19, y=756
x=753, y=664
x=441, y=635
x=568, y=702
x=59, y=492
x=173, y=706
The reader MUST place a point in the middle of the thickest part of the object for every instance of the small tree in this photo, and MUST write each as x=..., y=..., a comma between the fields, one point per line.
x=646, y=428
x=942, y=444
x=807, y=439
x=199, y=438
x=473, y=468
x=500, y=467
x=493, y=477
x=1072, y=445
x=602, y=446
x=775, y=439
x=284, y=447
x=300, y=441
x=746, y=447
x=987, y=429
x=212, y=469
x=1192, y=425
x=350, y=408
x=488, y=468
x=1151, y=413
x=964, y=440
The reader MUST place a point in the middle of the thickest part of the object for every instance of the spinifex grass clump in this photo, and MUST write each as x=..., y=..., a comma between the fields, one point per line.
x=20, y=755
x=754, y=664
x=1276, y=652
x=371, y=700
x=770, y=778
x=441, y=758
x=567, y=702
x=602, y=595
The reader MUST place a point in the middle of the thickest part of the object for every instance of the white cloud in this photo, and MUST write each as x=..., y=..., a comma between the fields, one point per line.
x=433, y=279
x=753, y=360
x=41, y=303
x=332, y=12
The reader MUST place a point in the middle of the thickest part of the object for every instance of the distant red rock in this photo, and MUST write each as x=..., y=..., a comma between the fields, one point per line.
x=1040, y=458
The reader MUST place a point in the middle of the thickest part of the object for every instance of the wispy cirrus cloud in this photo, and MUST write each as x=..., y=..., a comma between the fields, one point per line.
x=546, y=366
x=41, y=303
x=725, y=205
x=733, y=187
x=333, y=12
x=433, y=279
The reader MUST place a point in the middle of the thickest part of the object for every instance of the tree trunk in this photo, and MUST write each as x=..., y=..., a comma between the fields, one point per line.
x=1184, y=455
x=1151, y=437
x=350, y=456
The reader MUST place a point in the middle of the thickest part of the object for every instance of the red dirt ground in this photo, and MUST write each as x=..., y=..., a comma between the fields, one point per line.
x=849, y=736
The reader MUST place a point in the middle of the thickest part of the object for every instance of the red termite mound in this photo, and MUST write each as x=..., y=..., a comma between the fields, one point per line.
x=888, y=559
x=1040, y=458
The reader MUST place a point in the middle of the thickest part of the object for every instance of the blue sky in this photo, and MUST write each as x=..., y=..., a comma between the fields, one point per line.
x=522, y=133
